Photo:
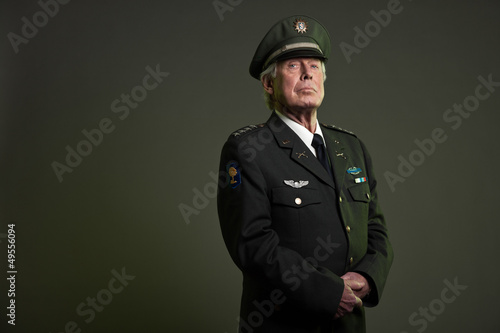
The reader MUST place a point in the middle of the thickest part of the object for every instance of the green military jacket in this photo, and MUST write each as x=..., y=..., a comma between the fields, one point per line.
x=293, y=230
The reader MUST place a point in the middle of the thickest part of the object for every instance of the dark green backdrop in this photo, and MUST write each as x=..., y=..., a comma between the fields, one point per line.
x=119, y=209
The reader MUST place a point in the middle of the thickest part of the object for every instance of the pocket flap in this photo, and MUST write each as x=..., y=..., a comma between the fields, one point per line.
x=360, y=193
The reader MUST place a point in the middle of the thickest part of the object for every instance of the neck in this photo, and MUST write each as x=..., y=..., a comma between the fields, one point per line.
x=305, y=118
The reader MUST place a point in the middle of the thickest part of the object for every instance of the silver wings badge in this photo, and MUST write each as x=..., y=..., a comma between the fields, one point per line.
x=294, y=184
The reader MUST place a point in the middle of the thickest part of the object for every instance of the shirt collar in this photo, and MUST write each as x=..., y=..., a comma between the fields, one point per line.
x=302, y=132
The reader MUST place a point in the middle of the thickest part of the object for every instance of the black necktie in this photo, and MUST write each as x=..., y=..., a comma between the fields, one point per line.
x=319, y=145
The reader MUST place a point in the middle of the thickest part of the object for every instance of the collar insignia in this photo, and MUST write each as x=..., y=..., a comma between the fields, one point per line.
x=299, y=155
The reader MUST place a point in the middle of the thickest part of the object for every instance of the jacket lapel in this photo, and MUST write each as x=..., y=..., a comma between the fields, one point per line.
x=337, y=155
x=299, y=152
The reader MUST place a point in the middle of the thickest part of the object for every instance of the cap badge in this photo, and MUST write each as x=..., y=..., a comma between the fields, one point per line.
x=300, y=25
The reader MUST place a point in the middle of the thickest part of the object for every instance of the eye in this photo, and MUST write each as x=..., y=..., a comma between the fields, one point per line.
x=292, y=65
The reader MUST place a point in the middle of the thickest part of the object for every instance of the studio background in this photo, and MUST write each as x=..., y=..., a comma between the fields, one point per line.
x=120, y=209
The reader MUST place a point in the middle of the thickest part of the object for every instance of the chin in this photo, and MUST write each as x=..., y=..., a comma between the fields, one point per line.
x=308, y=107
x=310, y=104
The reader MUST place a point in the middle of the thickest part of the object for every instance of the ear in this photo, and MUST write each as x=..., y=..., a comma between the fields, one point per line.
x=267, y=83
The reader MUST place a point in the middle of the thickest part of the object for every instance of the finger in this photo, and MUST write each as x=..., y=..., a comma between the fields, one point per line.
x=359, y=302
x=355, y=284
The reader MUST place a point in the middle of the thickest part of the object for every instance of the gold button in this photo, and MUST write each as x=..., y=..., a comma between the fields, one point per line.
x=340, y=199
x=368, y=195
x=298, y=201
x=351, y=260
x=348, y=228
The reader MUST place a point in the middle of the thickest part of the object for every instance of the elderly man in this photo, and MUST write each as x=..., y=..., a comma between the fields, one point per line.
x=299, y=209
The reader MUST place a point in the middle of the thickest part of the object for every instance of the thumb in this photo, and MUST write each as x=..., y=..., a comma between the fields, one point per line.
x=359, y=302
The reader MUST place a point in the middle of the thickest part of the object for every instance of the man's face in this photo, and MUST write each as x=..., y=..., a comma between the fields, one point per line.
x=299, y=84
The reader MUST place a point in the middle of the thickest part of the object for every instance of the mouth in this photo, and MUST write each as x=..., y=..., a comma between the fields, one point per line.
x=306, y=89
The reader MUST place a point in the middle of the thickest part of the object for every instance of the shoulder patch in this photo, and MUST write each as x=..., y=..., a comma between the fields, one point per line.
x=246, y=129
x=338, y=129
x=234, y=171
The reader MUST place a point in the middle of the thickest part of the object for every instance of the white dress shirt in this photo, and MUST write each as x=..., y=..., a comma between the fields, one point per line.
x=302, y=132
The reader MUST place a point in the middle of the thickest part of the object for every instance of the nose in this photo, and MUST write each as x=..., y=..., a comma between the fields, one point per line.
x=306, y=73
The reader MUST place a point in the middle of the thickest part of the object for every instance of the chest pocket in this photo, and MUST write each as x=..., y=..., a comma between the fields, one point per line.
x=360, y=193
x=295, y=197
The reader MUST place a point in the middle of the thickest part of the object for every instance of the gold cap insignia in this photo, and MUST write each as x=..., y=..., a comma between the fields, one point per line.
x=300, y=25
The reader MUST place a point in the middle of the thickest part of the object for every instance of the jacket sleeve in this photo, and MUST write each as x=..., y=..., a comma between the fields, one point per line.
x=375, y=265
x=245, y=219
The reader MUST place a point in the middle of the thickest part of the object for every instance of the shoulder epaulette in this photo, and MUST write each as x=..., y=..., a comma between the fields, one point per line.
x=338, y=129
x=246, y=130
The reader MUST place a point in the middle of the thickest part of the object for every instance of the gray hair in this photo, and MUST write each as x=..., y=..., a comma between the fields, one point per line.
x=270, y=72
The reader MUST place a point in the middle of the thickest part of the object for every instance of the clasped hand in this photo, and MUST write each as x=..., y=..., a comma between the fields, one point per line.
x=355, y=288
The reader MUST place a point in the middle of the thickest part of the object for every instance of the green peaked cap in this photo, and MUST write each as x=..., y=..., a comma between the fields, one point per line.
x=294, y=36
